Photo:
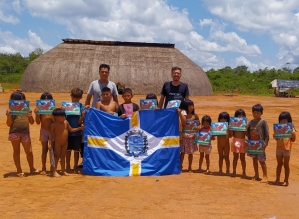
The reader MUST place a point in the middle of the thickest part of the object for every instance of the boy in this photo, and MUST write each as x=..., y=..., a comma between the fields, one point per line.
x=59, y=130
x=74, y=139
x=127, y=108
x=107, y=104
x=258, y=130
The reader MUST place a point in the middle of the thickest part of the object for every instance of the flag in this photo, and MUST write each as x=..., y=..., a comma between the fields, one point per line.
x=145, y=145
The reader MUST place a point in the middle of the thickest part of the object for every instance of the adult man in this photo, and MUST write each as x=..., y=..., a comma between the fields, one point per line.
x=174, y=90
x=96, y=86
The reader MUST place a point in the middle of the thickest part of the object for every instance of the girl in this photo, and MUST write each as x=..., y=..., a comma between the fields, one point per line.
x=45, y=120
x=238, y=146
x=203, y=149
x=187, y=144
x=283, y=150
x=19, y=133
x=223, y=144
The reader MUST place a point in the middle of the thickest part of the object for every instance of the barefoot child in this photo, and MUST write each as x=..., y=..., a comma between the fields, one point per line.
x=204, y=149
x=283, y=150
x=187, y=144
x=107, y=104
x=258, y=130
x=127, y=96
x=45, y=120
x=238, y=146
x=59, y=130
x=19, y=134
x=223, y=144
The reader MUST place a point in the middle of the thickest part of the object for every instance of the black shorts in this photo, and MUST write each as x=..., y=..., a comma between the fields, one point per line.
x=74, y=143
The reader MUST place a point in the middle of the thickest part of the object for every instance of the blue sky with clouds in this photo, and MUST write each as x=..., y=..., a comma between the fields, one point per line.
x=213, y=33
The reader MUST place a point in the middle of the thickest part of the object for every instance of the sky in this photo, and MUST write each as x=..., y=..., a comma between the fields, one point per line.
x=213, y=33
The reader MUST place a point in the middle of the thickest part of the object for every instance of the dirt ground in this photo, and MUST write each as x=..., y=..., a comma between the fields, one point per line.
x=188, y=195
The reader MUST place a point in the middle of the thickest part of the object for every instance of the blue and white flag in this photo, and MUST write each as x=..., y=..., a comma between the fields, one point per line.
x=145, y=145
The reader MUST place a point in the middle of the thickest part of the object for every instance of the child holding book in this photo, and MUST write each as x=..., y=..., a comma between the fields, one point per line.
x=258, y=130
x=45, y=120
x=19, y=134
x=223, y=144
x=187, y=144
x=238, y=146
x=60, y=132
x=127, y=108
x=283, y=150
x=205, y=150
x=107, y=104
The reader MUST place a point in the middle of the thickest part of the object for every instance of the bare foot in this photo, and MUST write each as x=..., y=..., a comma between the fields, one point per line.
x=227, y=172
x=34, y=171
x=55, y=174
x=285, y=183
x=64, y=173
x=243, y=176
x=208, y=171
x=68, y=170
x=21, y=175
x=43, y=172
x=76, y=170
x=234, y=174
x=190, y=170
x=220, y=173
x=277, y=182
x=200, y=171
x=264, y=180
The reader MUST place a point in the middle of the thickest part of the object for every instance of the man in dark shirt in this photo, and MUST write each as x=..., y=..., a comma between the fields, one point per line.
x=174, y=90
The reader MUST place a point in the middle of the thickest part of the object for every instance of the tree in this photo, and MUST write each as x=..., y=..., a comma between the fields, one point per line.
x=35, y=54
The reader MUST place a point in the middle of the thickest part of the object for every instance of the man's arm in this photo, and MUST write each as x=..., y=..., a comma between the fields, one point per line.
x=88, y=98
x=160, y=105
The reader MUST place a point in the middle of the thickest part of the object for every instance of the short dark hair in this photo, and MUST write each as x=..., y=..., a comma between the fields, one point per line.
x=206, y=118
x=176, y=68
x=17, y=96
x=58, y=112
x=46, y=96
x=77, y=92
x=257, y=107
x=285, y=115
x=128, y=90
x=240, y=112
x=104, y=66
x=106, y=89
x=151, y=96
x=224, y=115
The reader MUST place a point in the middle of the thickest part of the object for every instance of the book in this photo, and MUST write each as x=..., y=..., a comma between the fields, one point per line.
x=19, y=107
x=283, y=130
x=72, y=108
x=219, y=128
x=45, y=106
x=255, y=147
x=190, y=126
x=128, y=109
x=203, y=138
x=148, y=104
x=238, y=124
x=173, y=104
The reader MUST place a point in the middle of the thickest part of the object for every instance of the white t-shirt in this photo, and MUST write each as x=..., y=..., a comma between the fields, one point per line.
x=96, y=87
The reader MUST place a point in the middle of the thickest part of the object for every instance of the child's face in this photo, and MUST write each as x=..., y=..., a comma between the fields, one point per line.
x=190, y=108
x=256, y=114
x=127, y=97
x=284, y=121
x=75, y=99
x=223, y=120
x=59, y=118
x=241, y=115
x=206, y=125
x=106, y=96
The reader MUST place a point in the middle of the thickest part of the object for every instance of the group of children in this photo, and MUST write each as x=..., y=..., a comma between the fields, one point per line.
x=64, y=133
x=257, y=129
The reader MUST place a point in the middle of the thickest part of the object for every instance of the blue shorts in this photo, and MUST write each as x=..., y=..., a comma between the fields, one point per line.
x=260, y=157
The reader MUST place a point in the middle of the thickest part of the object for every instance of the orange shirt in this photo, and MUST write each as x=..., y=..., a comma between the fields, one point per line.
x=284, y=144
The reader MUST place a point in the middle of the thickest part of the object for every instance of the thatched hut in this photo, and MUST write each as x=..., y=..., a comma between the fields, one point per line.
x=144, y=67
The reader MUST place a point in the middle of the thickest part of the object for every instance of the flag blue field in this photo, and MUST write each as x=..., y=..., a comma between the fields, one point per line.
x=145, y=145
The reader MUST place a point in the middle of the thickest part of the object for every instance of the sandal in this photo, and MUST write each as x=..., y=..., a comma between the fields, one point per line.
x=21, y=175
x=35, y=171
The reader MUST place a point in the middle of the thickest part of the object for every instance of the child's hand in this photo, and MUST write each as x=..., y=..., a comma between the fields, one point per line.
x=35, y=110
x=179, y=110
x=87, y=107
x=50, y=146
x=293, y=134
x=84, y=113
x=8, y=112
x=29, y=114
x=123, y=116
x=82, y=126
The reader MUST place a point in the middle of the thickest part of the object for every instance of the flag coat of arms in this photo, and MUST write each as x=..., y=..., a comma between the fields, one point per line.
x=147, y=144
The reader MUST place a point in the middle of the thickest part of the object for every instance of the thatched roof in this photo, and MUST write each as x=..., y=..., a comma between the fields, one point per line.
x=144, y=67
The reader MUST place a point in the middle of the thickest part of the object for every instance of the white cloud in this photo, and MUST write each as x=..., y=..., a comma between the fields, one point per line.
x=7, y=49
x=8, y=18
x=17, y=6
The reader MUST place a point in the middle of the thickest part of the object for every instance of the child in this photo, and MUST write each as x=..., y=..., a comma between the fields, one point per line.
x=258, y=130
x=283, y=150
x=127, y=96
x=74, y=139
x=203, y=149
x=187, y=144
x=238, y=146
x=19, y=133
x=152, y=96
x=45, y=120
x=107, y=104
x=59, y=130
x=223, y=144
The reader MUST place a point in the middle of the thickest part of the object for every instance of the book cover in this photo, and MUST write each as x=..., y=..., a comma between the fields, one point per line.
x=19, y=107
x=45, y=106
x=238, y=124
x=173, y=104
x=283, y=130
x=148, y=104
x=255, y=147
x=219, y=128
x=203, y=138
x=128, y=109
x=191, y=126
x=71, y=108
